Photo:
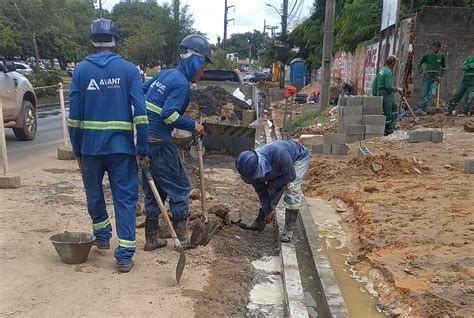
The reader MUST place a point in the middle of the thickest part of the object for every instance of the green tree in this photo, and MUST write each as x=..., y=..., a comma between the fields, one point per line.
x=221, y=62
x=359, y=22
x=150, y=32
x=49, y=28
x=9, y=46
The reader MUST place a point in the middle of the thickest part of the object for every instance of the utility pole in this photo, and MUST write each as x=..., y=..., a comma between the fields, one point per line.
x=327, y=52
x=226, y=22
x=100, y=9
x=176, y=20
x=284, y=25
x=284, y=19
x=264, y=27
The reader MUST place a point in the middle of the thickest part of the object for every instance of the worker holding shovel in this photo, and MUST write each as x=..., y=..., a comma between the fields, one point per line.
x=275, y=169
x=167, y=97
x=432, y=66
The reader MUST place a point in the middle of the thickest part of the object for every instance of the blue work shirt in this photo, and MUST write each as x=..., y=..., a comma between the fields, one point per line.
x=101, y=116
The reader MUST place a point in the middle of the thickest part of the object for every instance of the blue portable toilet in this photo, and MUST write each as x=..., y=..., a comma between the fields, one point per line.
x=298, y=73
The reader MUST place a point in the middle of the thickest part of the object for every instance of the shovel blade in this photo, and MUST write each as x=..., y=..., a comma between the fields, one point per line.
x=211, y=229
x=180, y=266
x=198, y=235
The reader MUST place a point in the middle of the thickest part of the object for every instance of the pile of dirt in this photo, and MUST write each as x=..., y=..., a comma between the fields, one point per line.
x=379, y=166
x=410, y=234
x=433, y=121
x=384, y=165
x=216, y=103
x=330, y=127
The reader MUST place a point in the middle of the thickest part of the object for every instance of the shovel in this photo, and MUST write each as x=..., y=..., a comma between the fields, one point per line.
x=409, y=107
x=176, y=242
x=208, y=228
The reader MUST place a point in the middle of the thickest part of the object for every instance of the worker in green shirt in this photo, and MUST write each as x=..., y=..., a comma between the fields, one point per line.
x=465, y=87
x=432, y=65
x=383, y=86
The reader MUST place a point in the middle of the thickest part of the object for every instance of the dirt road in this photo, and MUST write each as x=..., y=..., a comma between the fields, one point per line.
x=410, y=225
x=34, y=282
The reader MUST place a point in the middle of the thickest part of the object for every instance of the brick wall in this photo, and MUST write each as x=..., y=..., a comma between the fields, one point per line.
x=454, y=28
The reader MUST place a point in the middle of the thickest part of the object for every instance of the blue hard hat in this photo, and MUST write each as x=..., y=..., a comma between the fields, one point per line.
x=104, y=27
x=198, y=44
x=247, y=164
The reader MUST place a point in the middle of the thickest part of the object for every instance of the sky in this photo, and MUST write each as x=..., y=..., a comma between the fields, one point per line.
x=248, y=14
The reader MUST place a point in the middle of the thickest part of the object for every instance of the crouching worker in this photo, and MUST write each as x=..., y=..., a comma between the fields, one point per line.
x=167, y=97
x=273, y=170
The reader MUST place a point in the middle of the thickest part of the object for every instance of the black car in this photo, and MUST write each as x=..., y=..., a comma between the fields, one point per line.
x=220, y=75
x=260, y=77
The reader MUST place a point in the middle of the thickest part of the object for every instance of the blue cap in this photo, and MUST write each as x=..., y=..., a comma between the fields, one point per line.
x=247, y=164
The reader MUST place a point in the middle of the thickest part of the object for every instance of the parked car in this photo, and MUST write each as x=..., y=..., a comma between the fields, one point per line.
x=18, y=102
x=23, y=68
x=260, y=77
x=221, y=75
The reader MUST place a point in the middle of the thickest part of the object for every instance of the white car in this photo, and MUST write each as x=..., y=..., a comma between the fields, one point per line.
x=23, y=68
x=18, y=102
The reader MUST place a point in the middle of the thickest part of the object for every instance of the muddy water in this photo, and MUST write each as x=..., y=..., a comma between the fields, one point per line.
x=360, y=298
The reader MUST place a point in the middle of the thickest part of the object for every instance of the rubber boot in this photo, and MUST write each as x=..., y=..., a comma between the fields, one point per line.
x=151, y=235
x=257, y=225
x=125, y=268
x=180, y=228
x=290, y=219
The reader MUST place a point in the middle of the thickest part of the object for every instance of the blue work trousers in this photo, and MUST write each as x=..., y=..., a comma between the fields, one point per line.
x=123, y=178
x=170, y=178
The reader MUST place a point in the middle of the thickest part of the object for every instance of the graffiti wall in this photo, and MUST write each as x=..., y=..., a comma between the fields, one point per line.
x=370, y=70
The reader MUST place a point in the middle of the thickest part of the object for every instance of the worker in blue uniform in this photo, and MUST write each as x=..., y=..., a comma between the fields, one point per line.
x=275, y=169
x=104, y=87
x=167, y=97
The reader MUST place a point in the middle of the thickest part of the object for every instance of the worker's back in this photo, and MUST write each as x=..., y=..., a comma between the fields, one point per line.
x=101, y=93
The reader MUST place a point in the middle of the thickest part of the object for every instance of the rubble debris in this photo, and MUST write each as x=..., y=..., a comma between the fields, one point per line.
x=216, y=103
x=469, y=125
x=376, y=167
x=220, y=209
x=196, y=194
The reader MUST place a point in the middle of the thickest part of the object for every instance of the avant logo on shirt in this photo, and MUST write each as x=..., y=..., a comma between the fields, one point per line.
x=107, y=82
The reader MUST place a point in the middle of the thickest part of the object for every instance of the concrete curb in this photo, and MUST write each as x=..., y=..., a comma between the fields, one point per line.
x=334, y=302
x=295, y=305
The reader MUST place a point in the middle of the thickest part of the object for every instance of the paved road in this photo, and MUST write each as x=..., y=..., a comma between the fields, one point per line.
x=48, y=138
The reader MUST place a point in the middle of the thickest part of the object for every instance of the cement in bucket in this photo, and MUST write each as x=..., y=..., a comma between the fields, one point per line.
x=73, y=247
